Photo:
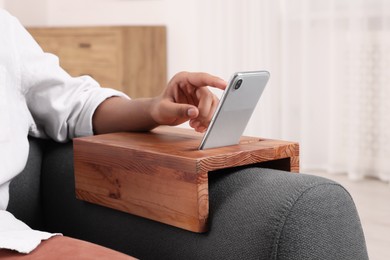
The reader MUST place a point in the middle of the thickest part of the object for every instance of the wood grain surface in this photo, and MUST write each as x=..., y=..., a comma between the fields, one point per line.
x=161, y=175
x=132, y=59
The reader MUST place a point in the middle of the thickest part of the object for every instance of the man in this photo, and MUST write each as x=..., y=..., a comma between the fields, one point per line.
x=38, y=98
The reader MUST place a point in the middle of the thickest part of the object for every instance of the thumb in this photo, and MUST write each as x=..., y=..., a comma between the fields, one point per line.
x=184, y=111
x=192, y=112
x=177, y=113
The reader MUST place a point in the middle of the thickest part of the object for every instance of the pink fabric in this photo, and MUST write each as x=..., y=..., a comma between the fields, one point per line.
x=61, y=247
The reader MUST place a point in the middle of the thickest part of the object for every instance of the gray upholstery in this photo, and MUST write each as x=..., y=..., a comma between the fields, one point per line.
x=255, y=213
x=25, y=196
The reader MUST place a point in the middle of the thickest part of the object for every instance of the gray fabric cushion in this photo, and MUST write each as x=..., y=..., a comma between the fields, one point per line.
x=25, y=199
x=255, y=213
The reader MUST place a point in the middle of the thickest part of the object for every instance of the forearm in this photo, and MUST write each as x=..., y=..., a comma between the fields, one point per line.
x=118, y=114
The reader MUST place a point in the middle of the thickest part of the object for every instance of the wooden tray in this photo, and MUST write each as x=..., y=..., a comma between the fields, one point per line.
x=161, y=175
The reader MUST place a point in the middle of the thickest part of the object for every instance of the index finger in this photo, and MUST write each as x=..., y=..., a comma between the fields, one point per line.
x=201, y=79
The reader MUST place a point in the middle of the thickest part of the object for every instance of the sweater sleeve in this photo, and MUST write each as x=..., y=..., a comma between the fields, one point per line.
x=61, y=106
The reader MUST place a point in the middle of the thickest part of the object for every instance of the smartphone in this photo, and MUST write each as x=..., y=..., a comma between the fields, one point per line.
x=235, y=108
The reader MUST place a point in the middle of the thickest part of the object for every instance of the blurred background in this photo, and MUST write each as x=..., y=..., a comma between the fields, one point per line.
x=330, y=72
x=328, y=60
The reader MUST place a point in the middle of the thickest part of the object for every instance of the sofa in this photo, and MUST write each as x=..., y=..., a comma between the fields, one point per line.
x=255, y=213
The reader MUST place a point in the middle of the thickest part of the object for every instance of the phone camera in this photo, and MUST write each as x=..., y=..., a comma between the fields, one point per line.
x=238, y=84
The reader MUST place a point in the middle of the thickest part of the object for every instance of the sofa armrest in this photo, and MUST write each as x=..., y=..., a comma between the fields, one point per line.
x=322, y=223
x=255, y=213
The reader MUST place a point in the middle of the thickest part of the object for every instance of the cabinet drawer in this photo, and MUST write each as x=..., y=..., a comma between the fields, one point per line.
x=101, y=50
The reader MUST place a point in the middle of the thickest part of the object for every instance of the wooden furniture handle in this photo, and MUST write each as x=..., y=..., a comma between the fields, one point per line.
x=85, y=45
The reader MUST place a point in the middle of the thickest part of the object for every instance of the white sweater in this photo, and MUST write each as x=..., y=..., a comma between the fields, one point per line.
x=38, y=98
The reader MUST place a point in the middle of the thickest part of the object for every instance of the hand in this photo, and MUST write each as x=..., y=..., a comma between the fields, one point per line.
x=187, y=97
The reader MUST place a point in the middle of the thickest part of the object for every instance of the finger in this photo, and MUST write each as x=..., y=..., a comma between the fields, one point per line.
x=181, y=96
x=205, y=121
x=196, y=124
x=200, y=79
x=205, y=106
x=213, y=108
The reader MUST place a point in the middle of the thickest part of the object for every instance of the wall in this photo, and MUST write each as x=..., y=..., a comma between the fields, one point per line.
x=106, y=12
x=23, y=10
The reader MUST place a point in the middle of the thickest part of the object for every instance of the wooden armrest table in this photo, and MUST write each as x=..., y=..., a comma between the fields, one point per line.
x=161, y=175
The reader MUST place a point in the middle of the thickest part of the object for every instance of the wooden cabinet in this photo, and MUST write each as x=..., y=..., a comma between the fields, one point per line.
x=128, y=58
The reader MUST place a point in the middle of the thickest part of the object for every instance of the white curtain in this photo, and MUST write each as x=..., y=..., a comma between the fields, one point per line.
x=330, y=67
